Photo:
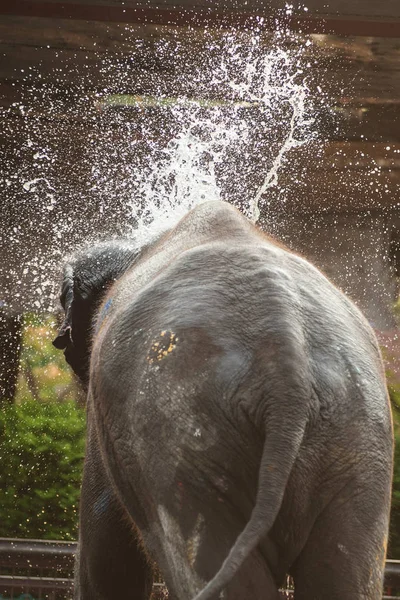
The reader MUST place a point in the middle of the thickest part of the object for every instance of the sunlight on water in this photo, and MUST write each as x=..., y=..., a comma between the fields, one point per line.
x=266, y=107
x=218, y=128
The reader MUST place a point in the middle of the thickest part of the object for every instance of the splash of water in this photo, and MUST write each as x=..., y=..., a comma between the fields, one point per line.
x=230, y=149
x=137, y=163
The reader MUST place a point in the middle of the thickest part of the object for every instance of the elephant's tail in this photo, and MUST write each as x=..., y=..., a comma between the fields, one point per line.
x=279, y=454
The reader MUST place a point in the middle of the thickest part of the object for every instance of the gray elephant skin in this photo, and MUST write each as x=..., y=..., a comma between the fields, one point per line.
x=238, y=420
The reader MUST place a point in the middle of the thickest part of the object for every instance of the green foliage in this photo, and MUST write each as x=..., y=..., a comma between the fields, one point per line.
x=44, y=374
x=41, y=456
x=41, y=442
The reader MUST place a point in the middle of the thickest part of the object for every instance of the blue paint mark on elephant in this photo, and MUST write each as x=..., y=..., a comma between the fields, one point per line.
x=103, y=314
x=101, y=505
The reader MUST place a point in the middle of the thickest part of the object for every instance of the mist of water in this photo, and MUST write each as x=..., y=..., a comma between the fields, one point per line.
x=221, y=130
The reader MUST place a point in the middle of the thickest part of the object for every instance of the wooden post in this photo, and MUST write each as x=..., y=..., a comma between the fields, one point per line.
x=10, y=348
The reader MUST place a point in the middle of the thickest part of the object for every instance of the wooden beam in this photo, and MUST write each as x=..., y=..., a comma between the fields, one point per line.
x=10, y=350
x=349, y=74
x=79, y=34
x=389, y=9
x=345, y=156
x=339, y=191
x=366, y=123
x=340, y=176
x=373, y=18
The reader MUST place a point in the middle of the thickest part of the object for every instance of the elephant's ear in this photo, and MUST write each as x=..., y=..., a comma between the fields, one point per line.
x=87, y=277
x=64, y=337
x=79, y=303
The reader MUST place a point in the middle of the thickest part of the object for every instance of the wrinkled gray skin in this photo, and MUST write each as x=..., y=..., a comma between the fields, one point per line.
x=238, y=421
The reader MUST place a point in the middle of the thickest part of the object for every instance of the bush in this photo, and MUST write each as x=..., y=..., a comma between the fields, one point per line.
x=44, y=374
x=41, y=454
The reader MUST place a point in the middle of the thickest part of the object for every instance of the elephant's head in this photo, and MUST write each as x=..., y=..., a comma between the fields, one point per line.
x=87, y=276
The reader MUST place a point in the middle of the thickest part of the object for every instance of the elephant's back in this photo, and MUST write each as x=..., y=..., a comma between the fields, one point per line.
x=195, y=356
x=227, y=308
x=237, y=297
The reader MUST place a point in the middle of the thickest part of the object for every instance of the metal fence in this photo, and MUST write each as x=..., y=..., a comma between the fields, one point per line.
x=42, y=570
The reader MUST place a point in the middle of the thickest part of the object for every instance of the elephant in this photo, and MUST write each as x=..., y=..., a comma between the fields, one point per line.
x=239, y=427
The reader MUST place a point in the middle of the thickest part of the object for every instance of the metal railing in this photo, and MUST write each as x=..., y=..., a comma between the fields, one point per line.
x=39, y=569
x=42, y=570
